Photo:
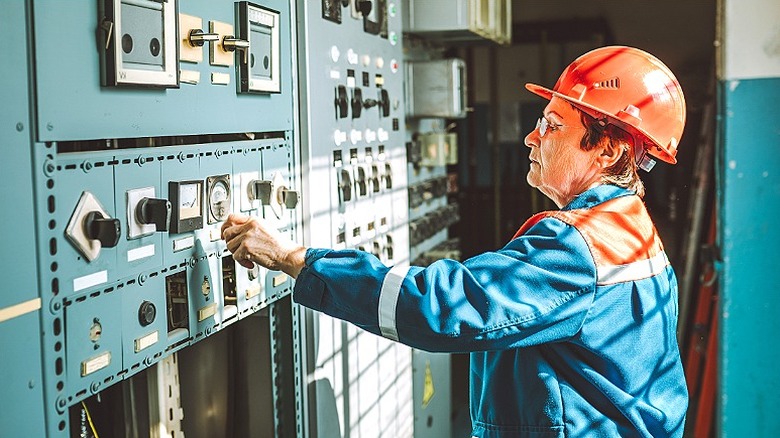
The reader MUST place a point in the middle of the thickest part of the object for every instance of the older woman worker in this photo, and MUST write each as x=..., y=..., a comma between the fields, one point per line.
x=571, y=325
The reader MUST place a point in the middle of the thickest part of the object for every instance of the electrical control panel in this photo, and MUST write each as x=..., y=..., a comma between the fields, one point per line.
x=355, y=177
x=155, y=120
x=147, y=124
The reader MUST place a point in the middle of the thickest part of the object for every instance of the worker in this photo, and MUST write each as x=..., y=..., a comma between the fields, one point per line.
x=571, y=325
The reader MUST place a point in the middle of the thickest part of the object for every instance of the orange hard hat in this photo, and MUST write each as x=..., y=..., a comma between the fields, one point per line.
x=629, y=88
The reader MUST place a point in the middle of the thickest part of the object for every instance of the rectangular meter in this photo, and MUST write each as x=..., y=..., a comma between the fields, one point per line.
x=138, y=43
x=186, y=199
x=259, y=67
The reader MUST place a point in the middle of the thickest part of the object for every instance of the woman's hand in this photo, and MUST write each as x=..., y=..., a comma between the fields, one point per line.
x=252, y=241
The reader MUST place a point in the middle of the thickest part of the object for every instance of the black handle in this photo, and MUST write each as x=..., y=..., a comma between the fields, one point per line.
x=106, y=230
x=342, y=101
x=364, y=6
x=154, y=211
x=357, y=103
x=384, y=102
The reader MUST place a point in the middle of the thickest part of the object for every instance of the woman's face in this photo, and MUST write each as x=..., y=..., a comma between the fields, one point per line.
x=559, y=168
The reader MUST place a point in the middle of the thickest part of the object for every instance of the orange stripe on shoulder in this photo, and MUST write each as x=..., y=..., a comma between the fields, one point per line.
x=618, y=231
x=533, y=220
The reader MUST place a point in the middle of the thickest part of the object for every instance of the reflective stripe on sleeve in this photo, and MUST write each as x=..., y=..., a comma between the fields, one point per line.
x=632, y=271
x=388, y=300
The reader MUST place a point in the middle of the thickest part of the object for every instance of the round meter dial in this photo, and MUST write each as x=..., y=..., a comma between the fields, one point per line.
x=219, y=198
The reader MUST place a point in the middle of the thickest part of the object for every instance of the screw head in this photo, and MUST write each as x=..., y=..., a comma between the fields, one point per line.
x=20, y=126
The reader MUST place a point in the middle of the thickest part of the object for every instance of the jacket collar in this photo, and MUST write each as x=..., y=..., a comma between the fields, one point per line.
x=596, y=195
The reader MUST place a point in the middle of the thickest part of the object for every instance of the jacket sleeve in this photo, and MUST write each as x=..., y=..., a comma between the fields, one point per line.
x=536, y=289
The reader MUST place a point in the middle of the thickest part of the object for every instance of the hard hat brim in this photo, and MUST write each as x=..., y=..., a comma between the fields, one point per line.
x=539, y=90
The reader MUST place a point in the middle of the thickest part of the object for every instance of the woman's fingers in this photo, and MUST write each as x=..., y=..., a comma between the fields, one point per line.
x=233, y=220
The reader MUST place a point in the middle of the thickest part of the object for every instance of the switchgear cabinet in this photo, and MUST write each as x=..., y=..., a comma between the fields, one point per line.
x=138, y=127
x=133, y=129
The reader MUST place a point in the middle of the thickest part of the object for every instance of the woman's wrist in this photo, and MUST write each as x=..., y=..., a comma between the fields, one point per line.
x=294, y=261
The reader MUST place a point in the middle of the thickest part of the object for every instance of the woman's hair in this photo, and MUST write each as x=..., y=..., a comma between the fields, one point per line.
x=624, y=172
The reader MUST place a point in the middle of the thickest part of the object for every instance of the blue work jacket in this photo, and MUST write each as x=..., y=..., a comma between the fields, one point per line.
x=571, y=326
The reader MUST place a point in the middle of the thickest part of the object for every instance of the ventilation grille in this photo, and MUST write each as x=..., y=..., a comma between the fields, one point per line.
x=609, y=84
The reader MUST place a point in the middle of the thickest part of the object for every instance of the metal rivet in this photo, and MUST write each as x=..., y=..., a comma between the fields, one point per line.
x=31, y=384
x=49, y=168
x=20, y=126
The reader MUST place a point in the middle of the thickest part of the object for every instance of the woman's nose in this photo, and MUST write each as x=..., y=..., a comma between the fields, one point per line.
x=532, y=139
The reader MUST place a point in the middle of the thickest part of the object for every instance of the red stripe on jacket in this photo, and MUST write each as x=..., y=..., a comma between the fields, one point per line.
x=618, y=231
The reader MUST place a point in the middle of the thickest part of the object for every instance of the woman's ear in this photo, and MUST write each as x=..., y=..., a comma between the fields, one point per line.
x=609, y=154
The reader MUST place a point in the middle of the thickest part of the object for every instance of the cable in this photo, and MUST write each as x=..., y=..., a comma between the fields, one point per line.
x=89, y=420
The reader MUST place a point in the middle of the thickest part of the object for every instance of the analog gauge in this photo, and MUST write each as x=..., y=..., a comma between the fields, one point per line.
x=189, y=200
x=218, y=198
x=186, y=199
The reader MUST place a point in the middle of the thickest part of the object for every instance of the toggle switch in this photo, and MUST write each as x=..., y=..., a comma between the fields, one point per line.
x=370, y=103
x=388, y=176
x=261, y=190
x=384, y=103
x=376, y=249
x=197, y=37
x=102, y=228
x=374, y=179
x=146, y=313
x=357, y=103
x=360, y=181
x=230, y=44
x=281, y=196
x=342, y=102
x=345, y=186
x=154, y=211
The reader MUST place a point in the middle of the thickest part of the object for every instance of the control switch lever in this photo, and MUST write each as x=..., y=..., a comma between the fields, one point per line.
x=261, y=190
x=154, y=211
x=103, y=229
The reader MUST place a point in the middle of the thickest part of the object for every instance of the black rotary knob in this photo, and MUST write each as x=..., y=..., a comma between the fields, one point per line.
x=106, y=230
x=154, y=211
x=146, y=313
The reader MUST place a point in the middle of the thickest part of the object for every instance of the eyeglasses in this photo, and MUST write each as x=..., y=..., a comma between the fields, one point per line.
x=543, y=124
